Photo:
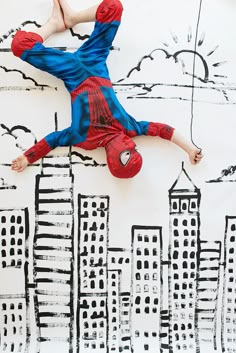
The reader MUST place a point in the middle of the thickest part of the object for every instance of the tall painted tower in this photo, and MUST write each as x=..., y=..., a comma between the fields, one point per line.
x=53, y=255
x=228, y=329
x=146, y=288
x=92, y=315
x=14, y=304
x=184, y=202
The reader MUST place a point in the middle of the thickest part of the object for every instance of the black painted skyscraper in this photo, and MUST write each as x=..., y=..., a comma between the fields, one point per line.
x=53, y=257
x=14, y=232
x=146, y=288
x=229, y=295
x=208, y=293
x=184, y=199
x=93, y=214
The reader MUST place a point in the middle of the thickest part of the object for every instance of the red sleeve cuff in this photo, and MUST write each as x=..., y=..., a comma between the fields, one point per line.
x=23, y=41
x=39, y=150
x=109, y=10
x=162, y=130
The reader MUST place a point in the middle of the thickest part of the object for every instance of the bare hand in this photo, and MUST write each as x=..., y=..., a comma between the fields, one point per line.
x=195, y=155
x=19, y=164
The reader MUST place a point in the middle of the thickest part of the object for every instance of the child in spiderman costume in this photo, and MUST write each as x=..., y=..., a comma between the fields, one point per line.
x=98, y=119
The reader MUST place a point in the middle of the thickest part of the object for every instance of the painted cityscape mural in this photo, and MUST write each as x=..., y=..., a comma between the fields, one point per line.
x=90, y=263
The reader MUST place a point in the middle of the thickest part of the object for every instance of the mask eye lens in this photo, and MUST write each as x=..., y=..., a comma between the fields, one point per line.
x=125, y=157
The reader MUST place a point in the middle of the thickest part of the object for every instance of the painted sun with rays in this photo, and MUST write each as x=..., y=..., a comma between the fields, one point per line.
x=201, y=56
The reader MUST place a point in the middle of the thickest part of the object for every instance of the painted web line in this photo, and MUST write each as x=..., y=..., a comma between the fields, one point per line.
x=193, y=76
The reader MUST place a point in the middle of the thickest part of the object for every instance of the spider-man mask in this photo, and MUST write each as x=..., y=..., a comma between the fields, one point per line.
x=123, y=160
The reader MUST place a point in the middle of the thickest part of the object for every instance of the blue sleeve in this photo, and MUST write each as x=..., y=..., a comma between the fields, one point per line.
x=66, y=137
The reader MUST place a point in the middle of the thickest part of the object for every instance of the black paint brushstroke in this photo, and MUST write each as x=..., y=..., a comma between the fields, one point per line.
x=220, y=76
x=51, y=270
x=53, y=236
x=6, y=35
x=205, y=311
x=94, y=164
x=12, y=296
x=10, y=131
x=86, y=158
x=174, y=37
x=205, y=300
x=221, y=181
x=209, y=268
x=231, y=170
x=56, y=121
x=52, y=280
x=206, y=289
x=58, y=248
x=54, y=200
x=26, y=273
x=189, y=36
x=213, y=50
x=54, y=314
x=225, y=95
x=79, y=36
x=98, y=295
x=41, y=86
x=207, y=319
x=208, y=279
x=210, y=250
x=59, y=258
x=64, y=213
x=4, y=186
x=53, y=339
x=219, y=64
x=53, y=325
x=51, y=293
x=52, y=224
x=210, y=258
x=54, y=191
x=165, y=44
x=201, y=40
x=56, y=165
x=81, y=156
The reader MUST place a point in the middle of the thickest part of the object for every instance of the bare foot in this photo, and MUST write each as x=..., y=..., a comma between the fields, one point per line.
x=69, y=15
x=195, y=155
x=56, y=18
x=19, y=164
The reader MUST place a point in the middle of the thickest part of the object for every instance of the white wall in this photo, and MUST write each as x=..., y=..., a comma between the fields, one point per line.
x=194, y=91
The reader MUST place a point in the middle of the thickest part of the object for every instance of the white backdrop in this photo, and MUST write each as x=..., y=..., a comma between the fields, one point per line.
x=92, y=263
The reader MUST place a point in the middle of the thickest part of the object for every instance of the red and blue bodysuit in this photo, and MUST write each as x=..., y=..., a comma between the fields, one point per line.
x=98, y=119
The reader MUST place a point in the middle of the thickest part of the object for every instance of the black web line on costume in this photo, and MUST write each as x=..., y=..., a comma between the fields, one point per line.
x=193, y=75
